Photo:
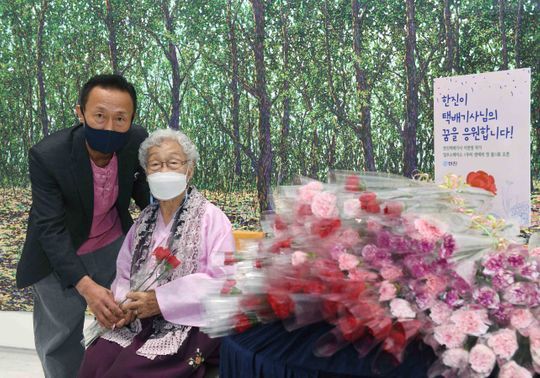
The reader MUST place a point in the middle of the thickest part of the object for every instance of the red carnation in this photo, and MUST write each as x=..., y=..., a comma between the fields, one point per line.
x=228, y=285
x=242, y=323
x=351, y=328
x=368, y=202
x=282, y=244
x=173, y=261
x=162, y=253
x=367, y=197
x=229, y=258
x=279, y=224
x=325, y=227
x=304, y=210
x=281, y=304
x=352, y=184
x=393, y=208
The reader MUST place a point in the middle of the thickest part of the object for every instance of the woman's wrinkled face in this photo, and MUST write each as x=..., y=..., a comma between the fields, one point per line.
x=168, y=156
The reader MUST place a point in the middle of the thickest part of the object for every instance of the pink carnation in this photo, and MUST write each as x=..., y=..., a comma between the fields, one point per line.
x=449, y=335
x=521, y=318
x=391, y=272
x=347, y=261
x=351, y=208
x=456, y=358
x=513, y=370
x=434, y=284
x=401, y=309
x=387, y=291
x=427, y=230
x=298, y=258
x=482, y=359
x=373, y=226
x=503, y=342
x=306, y=192
x=440, y=312
x=534, y=339
x=471, y=322
x=362, y=275
x=349, y=237
x=324, y=205
x=535, y=253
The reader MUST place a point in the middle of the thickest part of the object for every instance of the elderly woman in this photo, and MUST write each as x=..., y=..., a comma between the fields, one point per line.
x=159, y=334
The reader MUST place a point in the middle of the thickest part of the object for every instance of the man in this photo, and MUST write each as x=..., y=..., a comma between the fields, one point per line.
x=82, y=180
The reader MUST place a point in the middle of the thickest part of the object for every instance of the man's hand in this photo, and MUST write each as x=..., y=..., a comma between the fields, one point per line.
x=129, y=316
x=101, y=302
x=143, y=303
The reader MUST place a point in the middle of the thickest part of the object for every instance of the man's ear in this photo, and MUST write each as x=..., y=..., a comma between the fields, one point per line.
x=79, y=113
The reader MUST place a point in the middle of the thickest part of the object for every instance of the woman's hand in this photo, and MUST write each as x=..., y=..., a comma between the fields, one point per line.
x=143, y=304
x=129, y=316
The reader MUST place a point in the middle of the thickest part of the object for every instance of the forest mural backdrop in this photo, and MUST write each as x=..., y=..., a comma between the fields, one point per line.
x=268, y=90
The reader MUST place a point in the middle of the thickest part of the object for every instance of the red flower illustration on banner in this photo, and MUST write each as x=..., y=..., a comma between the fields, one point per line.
x=483, y=180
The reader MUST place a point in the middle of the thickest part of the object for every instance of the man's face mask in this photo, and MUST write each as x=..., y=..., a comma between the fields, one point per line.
x=105, y=141
x=167, y=185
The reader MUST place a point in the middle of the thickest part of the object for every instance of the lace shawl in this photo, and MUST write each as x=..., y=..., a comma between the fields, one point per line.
x=167, y=338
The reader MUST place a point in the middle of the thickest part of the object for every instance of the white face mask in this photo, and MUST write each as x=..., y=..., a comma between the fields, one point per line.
x=167, y=185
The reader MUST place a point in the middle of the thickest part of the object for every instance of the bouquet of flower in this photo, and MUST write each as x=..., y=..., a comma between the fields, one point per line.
x=165, y=263
x=386, y=260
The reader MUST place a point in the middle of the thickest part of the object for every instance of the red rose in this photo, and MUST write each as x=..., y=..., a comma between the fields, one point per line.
x=242, y=323
x=161, y=253
x=352, y=184
x=482, y=180
x=173, y=261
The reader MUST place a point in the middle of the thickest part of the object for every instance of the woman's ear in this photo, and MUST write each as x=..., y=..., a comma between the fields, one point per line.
x=190, y=173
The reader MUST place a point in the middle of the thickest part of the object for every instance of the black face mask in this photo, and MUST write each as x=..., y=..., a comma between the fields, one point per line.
x=105, y=141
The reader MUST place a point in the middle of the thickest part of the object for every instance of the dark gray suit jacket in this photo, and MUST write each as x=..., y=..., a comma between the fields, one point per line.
x=63, y=202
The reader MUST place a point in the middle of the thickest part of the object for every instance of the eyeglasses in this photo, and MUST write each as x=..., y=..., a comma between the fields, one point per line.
x=173, y=165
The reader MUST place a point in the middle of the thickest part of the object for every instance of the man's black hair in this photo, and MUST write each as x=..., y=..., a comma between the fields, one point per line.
x=111, y=81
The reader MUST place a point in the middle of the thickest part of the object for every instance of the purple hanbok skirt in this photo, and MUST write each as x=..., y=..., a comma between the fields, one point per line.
x=106, y=359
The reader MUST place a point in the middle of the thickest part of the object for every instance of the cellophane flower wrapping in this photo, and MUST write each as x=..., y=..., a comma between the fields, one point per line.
x=386, y=260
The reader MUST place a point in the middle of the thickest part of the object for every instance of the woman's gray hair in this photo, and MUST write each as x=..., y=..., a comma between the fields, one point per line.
x=158, y=136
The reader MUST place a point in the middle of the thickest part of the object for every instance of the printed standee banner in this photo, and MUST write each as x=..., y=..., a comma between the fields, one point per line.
x=482, y=129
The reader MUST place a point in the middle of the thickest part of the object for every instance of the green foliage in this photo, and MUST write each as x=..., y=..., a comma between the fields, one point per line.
x=76, y=46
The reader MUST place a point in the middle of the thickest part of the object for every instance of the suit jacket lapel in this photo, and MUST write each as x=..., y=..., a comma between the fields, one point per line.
x=82, y=171
x=126, y=160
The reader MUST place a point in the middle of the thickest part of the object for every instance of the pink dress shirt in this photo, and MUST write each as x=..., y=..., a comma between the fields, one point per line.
x=106, y=226
x=180, y=300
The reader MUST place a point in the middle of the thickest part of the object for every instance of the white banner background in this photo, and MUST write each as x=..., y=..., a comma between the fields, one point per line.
x=482, y=122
